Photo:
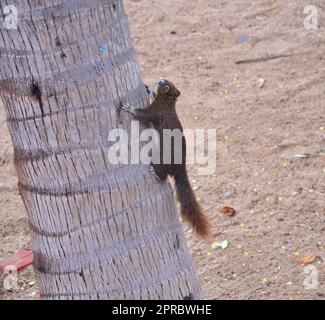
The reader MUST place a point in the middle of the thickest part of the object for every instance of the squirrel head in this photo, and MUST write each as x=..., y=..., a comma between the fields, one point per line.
x=167, y=88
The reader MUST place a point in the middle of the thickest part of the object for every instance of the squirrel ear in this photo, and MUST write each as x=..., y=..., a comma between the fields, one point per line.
x=178, y=93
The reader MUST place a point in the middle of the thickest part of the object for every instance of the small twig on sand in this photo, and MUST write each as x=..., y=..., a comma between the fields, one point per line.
x=264, y=59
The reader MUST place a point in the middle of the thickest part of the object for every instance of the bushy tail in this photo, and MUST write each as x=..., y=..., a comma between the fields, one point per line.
x=190, y=209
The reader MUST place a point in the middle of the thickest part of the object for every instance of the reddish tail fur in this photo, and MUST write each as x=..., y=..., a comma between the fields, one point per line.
x=190, y=209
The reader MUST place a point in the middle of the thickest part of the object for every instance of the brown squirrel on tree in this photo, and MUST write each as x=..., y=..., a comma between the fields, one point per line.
x=161, y=114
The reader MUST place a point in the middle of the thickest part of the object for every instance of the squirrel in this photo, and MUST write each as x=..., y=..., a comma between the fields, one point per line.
x=161, y=114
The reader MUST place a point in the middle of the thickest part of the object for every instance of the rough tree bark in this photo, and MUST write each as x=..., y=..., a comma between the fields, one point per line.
x=98, y=231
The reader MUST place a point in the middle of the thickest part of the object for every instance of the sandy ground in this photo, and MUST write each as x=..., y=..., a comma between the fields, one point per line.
x=265, y=112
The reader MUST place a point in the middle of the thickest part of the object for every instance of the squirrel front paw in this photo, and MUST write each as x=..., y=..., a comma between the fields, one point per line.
x=127, y=108
x=149, y=91
x=151, y=94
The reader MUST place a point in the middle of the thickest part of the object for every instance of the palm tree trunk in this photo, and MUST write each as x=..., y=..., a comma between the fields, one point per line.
x=99, y=231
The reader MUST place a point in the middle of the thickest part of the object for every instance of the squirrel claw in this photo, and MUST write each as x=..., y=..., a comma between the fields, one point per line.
x=152, y=172
x=125, y=106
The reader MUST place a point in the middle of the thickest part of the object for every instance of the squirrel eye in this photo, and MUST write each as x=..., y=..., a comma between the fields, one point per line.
x=166, y=88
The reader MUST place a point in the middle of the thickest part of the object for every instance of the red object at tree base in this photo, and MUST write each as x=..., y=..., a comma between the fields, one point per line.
x=21, y=259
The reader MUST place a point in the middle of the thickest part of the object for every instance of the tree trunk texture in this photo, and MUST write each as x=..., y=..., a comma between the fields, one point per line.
x=99, y=231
